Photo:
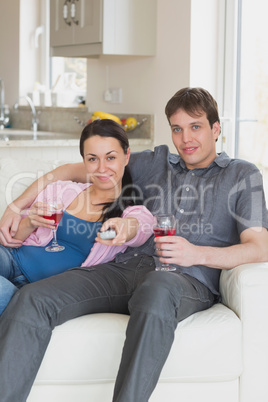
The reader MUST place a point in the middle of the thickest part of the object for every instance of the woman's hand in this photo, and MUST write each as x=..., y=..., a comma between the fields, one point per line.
x=33, y=220
x=125, y=228
x=9, y=224
x=36, y=216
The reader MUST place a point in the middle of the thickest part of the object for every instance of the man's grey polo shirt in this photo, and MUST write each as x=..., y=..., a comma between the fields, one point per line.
x=212, y=205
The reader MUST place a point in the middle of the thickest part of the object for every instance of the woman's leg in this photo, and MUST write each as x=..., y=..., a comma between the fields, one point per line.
x=7, y=291
x=8, y=265
x=27, y=323
x=10, y=276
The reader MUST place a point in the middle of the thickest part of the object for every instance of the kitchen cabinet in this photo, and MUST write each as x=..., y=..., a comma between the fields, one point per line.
x=75, y=22
x=88, y=28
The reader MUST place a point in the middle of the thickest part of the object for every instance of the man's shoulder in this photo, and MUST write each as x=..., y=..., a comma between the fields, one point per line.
x=241, y=164
x=239, y=172
x=160, y=149
x=160, y=152
x=224, y=161
x=150, y=164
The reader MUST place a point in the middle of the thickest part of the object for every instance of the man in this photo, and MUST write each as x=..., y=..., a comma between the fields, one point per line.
x=221, y=222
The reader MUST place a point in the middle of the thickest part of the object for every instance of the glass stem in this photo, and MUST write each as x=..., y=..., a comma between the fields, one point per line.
x=54, y=241
x=165, y=265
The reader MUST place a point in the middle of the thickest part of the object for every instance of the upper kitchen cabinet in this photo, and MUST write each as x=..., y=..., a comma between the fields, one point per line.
x=84, y=28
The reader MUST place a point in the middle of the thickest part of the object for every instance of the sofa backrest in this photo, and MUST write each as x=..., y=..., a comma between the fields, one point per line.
x=17, y=174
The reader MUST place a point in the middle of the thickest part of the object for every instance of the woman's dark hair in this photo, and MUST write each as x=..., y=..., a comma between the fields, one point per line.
x=109, y=128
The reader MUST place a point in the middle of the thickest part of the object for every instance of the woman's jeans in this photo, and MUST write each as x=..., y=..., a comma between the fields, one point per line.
x=11, y=277
x=155, y=300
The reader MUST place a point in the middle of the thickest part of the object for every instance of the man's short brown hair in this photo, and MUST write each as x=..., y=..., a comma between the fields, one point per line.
x=194, y=101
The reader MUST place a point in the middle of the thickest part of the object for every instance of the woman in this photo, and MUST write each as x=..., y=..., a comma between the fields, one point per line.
x=106, y=202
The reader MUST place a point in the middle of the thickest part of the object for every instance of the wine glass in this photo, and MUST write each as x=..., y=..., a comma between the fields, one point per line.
x=56, y=207
x=165, y=226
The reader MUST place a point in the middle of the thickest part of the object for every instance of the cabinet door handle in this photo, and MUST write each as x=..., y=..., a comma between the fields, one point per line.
x=66, y=12
x=73, y=12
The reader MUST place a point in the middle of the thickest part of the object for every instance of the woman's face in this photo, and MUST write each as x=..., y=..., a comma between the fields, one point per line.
x=105, y=161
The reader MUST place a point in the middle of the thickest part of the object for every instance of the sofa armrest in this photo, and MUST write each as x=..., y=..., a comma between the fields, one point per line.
x=244, y=289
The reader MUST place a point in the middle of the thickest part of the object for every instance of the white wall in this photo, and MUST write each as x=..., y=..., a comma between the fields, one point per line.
x=206, y=45
x=208, y=49
x=19, y=56
x=29, y=50
x=9, y=47
x=148, y=82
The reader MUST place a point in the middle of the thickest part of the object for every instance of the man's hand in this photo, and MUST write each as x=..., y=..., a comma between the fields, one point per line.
x=176, y=250
x=252, y=248
x=8, y=227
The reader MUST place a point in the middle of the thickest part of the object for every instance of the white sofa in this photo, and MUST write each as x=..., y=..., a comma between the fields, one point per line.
x=218, y=355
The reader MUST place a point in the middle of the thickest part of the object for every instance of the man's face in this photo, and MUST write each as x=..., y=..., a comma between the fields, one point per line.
x=194, y=139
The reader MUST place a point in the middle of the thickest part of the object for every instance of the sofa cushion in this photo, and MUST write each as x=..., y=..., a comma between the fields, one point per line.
x=85, y=350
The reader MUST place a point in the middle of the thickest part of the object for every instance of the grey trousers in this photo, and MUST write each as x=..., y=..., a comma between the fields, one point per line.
x=156, y=302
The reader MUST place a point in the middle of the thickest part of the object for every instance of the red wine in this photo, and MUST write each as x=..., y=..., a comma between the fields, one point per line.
x=158, y=232
x=56, y=217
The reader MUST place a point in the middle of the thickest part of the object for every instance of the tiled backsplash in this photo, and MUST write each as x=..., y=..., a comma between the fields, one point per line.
x=65, y=120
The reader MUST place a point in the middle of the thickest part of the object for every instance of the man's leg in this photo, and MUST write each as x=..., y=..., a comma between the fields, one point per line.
x=26, y=324
x=158, y=304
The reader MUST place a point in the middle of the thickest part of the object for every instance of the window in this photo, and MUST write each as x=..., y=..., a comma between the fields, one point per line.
x=245, y=116
x=68, y=80
x=63, y=80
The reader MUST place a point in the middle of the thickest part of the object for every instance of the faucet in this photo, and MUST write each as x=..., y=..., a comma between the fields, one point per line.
x=3, y=119
x=35, y=120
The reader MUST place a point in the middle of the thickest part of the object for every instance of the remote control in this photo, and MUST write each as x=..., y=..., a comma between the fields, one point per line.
x=109, y=234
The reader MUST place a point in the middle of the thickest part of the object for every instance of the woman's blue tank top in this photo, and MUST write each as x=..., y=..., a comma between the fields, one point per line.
x=77, y=235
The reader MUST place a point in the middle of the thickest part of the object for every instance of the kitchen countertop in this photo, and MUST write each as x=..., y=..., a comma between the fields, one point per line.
x=25, y=138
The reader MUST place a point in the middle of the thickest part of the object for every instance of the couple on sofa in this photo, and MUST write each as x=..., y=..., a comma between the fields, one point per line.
x=222, y=222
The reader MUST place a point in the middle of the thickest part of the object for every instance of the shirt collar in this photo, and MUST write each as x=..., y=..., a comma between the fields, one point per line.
x=222, y=160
